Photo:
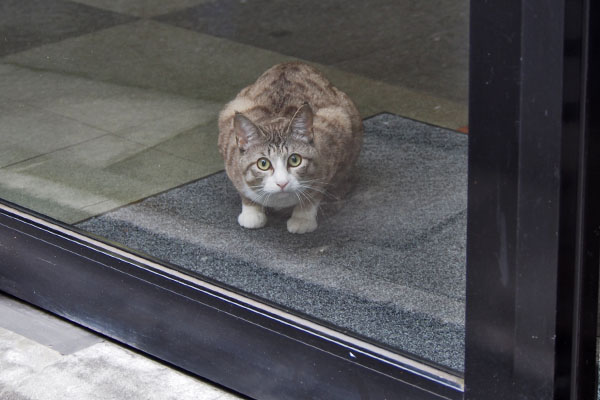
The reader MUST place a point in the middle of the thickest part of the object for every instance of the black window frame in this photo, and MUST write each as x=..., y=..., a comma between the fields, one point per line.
x=532, y=241
x=532, y=250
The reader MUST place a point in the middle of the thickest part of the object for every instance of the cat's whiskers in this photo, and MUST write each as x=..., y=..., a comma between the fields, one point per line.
x=319, y=180
x=262, y=194
x=303, y=185
x=304, y=191
x=300, y=199
x=304, y=195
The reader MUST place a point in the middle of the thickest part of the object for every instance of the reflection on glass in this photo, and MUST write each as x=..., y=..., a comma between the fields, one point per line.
x=109, y=121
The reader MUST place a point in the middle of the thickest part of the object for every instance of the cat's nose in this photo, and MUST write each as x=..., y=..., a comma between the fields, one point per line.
x=282, y=185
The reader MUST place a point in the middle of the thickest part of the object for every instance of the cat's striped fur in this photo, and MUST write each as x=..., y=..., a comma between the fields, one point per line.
x=292, y=112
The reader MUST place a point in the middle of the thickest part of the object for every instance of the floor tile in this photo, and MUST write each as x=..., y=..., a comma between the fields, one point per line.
x=43, y=328
x=373, y=97
x=27, y=132
x=42, y=183
x=94, y=154
x=159, y=171
x=113, y=108
x=21, y=357
x=106, y=371
x=125, y=110
x=45, y=89
x=103, y=174
x=54, y=197
x=31, y=23
x=90, y=368
x=153, y=55
x=142, y=8
x=57, y=134
x=6, y=68
x=434, y=65
x=198, y=145
x=398, y=38
x=103, y=371
x=155, y=132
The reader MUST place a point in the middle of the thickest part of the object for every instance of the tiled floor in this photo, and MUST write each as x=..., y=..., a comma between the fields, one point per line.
x=45, y=358
x=124, y=95
x=30, y=23
x=71, y=155
x=418, y=45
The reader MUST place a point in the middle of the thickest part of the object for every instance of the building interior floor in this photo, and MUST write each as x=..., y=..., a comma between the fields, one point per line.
x=124, y=95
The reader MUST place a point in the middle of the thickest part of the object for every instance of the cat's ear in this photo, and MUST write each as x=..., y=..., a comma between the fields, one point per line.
x=246, y=133
x=301, y=125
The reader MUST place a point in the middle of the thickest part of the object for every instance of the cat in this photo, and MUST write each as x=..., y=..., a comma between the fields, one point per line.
x=290, y=139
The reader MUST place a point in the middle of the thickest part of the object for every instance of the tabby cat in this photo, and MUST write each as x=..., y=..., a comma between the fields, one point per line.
x=289, y=140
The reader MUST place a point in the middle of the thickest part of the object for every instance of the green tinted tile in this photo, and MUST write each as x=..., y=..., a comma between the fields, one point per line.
x=28, y=131
x=372, y=97
x=159, y=171
x=149, y=54
x=50, y=90
x=198, y=145
x=45, y=192
x=30, y=23
x=93, y=177
x=155, y=132
x=7, y=68
x=420, y=45
x=128, y=108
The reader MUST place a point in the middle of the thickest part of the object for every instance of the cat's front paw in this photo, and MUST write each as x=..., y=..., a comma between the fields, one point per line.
x=252, y=219
x=301, y=225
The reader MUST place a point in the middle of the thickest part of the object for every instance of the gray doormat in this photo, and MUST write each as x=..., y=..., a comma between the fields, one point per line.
x=387, y=263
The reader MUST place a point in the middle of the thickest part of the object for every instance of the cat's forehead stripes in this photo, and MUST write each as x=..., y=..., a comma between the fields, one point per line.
x=278, y=149
x=274, y=134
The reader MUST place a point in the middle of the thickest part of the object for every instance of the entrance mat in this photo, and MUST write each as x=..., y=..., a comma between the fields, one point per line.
x=387, y=263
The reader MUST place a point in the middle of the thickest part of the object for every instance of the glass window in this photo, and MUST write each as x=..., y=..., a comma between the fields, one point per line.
x=110, y=123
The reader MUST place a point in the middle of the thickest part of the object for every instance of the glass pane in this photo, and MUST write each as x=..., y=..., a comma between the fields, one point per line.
x=109, y=119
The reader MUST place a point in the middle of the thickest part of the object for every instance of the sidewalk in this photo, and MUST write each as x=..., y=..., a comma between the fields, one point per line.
x=43, y=357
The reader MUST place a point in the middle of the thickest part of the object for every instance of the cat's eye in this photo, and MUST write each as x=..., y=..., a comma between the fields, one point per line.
x=294, y=160
x=263, y=164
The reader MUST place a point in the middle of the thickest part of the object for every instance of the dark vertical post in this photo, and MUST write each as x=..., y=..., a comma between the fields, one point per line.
x=585, y=373
x=495, y=50
x=532, y=250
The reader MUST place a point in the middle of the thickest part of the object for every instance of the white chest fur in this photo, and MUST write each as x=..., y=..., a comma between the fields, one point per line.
x=274, y=200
